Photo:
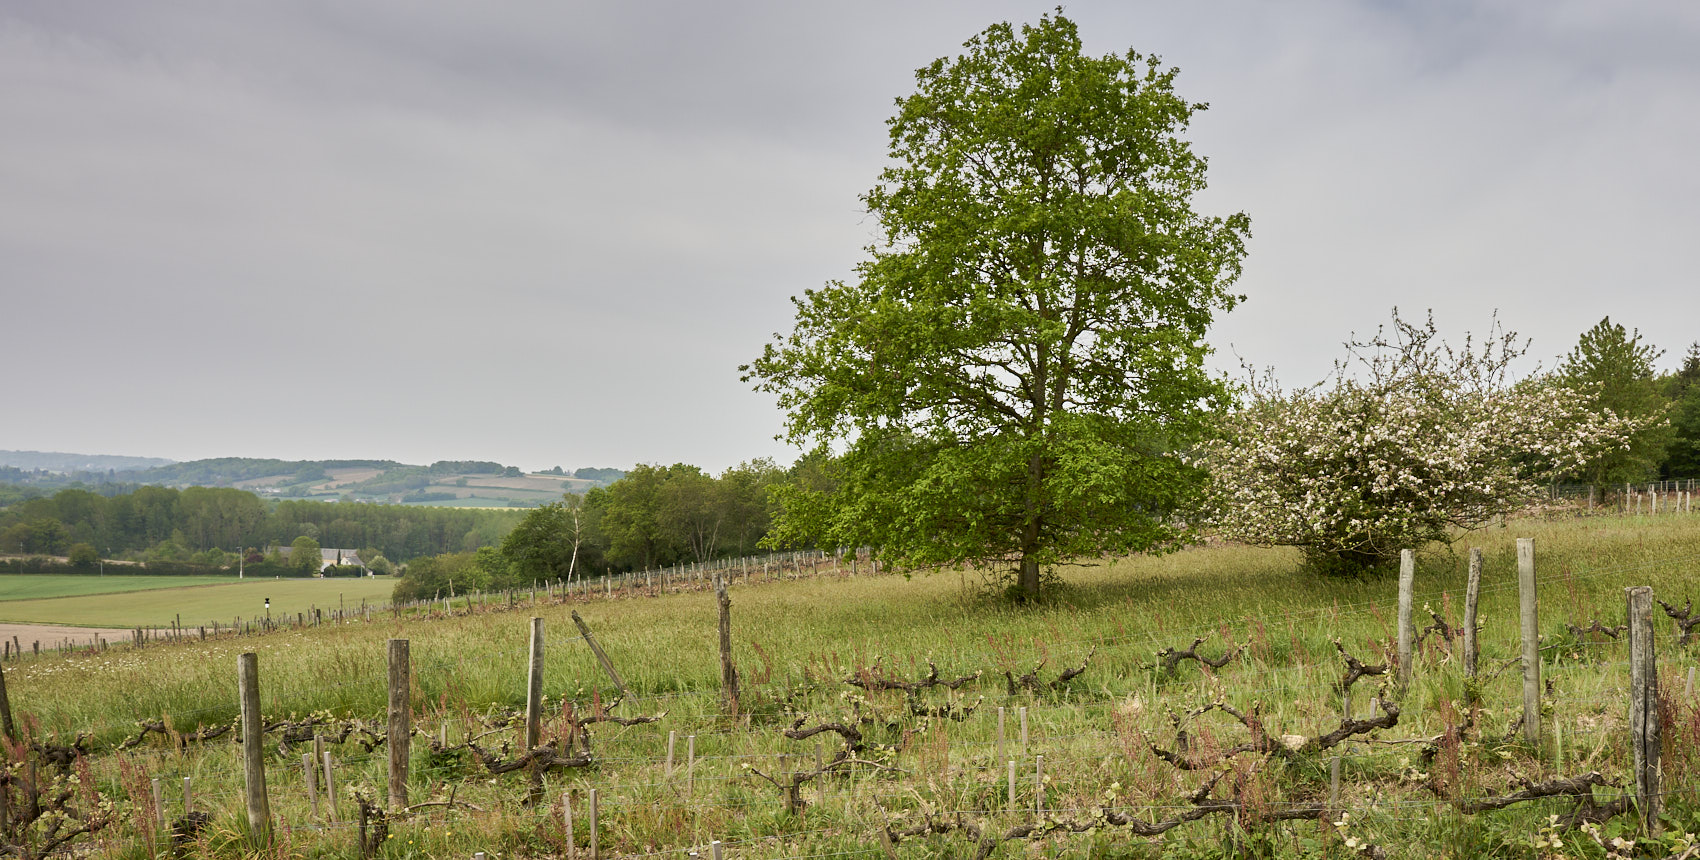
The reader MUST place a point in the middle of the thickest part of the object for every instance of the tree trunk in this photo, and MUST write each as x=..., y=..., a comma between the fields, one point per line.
x=1029, y=579
x=1030, y=531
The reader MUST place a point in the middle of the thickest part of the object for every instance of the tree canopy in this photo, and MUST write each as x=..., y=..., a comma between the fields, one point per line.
x=1612, y=370
x=1682, y=455
x=1013, y=369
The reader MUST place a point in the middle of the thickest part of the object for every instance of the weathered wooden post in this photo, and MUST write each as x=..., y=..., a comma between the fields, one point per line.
x=1529, y=616
x=672, y=742
x=1472, y=591
x=607, y=665
x=253, y=747
x=595, y=837
x=534, y=705
x=309, y=769
x=820, y=767
x=399, y=740
x=728, y=671
x=6, y=725
x=1644, y=707
x=1407, y=580
x=567, y=824
x=534, y=688
x=330, y=786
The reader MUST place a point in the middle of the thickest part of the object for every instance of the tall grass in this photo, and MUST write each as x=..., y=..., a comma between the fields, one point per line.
x=161, y=601
x=798, y=641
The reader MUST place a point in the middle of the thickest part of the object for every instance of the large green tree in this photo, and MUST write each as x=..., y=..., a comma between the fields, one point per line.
x=545, y=545
x=630, y=512
x=1612, y=369
x=304, y=555
x=1012, y=371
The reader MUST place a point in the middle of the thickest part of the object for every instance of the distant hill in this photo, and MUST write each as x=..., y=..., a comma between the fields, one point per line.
x=230, y=471
x=55, y=461
x=462, y=483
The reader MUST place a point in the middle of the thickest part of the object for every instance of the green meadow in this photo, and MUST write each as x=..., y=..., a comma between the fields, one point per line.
x=38, y=586
x=932, y=763
x=159, y=601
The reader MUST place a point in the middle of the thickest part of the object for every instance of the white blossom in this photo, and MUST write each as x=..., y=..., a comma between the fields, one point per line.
x=1425, y=440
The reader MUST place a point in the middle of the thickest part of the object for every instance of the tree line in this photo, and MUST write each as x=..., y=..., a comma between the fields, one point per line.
x=1612, y=370
x=209, y=526
x=655, y=516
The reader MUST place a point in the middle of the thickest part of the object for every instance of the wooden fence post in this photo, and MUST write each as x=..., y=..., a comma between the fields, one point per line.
x=690, y=764
x=820, y=767
x=400, y=719
x=1530, y=622
x=1644, y=707
x=567, y=824
x=595, y=836
x=607, y=665
x=6, y=725
x=1407, y=580
x=728, y=671
x=253, y=747
x=330, y=787
x=534, y=705
x=672, y=743
x=309, y=769
x=1472, y=591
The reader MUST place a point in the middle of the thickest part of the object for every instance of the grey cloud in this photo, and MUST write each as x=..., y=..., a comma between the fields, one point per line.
x=547, y=233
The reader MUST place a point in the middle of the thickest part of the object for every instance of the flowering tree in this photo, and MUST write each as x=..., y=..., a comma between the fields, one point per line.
x=1412, y=442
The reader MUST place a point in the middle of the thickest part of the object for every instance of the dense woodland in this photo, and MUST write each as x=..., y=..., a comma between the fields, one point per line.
x=201, y=525
x=655, y=515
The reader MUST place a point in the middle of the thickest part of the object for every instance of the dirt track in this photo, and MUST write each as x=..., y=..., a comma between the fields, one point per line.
x=50, y=635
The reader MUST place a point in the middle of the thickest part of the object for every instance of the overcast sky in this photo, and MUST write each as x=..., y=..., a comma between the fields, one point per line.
x=548, y=233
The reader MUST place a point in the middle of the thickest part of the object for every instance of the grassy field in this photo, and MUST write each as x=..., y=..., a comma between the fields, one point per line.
x=924, y=770
x=38, y=586
x=159, y=600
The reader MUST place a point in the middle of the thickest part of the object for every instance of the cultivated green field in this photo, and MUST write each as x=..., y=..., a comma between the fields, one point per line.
x=171, y=598
x=931, y=764
x=38, y=586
